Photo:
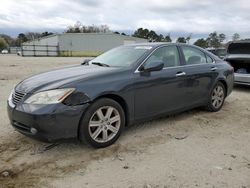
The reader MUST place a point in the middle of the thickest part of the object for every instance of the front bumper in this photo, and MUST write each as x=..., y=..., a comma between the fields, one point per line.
x=242, y=79
x=46, y=122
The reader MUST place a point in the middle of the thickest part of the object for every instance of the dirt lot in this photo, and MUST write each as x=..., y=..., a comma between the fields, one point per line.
x=192, y=149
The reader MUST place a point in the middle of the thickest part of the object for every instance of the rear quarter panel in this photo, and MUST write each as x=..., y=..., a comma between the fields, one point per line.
x=226, y=74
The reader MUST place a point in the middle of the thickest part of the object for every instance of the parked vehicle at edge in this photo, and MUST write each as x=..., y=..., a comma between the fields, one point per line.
x=220, y=52
x=126, y=85
x=4, y=51
x=238, y=55
x=19, y=53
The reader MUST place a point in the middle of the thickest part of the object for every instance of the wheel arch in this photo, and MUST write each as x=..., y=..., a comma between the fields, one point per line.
x=224, y=84
x=120, y=100
x=117, y=98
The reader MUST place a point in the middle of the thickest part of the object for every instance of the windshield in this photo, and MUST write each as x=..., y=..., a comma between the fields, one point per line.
x=123, y=56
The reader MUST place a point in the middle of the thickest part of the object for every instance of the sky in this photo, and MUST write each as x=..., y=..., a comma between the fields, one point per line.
x=177, y=17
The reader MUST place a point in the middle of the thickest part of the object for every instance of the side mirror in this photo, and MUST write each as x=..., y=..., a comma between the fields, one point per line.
x=156, y=66
x=86, y=62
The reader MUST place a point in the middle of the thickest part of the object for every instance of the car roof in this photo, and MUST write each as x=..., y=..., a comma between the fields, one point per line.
x=149, y=44
x=156, y=44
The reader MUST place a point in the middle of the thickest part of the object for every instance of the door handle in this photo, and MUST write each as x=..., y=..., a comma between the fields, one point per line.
x=213, y=68
x=180, y=74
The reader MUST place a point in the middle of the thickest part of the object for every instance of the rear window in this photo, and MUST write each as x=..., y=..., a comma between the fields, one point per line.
x=239, y=48
x=193, y=55
x=221, y=52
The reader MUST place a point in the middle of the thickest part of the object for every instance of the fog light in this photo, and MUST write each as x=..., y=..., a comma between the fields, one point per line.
x=33, y=130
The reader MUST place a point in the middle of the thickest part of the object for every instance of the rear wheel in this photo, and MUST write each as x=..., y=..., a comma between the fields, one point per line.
x=217, y=98
x=102, y=124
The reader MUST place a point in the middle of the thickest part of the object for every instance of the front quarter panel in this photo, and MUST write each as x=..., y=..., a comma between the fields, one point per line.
x=119, y=83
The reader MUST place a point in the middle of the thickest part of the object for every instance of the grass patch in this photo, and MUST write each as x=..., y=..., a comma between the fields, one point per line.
x=79, y=53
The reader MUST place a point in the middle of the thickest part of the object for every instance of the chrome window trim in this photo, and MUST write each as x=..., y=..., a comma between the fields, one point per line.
x=137, y=69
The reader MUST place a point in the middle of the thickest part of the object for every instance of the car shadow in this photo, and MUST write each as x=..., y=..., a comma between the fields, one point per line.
x=244, y=88
x=154, y=123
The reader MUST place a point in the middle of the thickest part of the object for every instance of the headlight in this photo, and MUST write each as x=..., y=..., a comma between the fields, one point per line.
x=49, y=97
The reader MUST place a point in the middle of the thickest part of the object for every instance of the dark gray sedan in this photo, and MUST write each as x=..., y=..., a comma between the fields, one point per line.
x=129, y=84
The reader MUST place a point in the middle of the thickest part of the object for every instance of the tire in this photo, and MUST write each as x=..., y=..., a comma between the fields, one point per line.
x=216, y=98
x=102, y=123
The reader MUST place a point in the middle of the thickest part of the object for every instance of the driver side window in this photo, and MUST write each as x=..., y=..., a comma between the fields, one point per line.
x=168, y=55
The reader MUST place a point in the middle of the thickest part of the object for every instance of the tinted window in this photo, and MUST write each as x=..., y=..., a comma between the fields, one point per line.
x=193, y=55
x=168, y=55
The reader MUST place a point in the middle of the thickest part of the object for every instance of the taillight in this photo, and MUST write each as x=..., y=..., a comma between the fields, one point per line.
x=229, y=65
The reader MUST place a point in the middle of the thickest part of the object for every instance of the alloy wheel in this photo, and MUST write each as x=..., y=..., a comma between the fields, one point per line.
x=218, y=96
x=104, y=124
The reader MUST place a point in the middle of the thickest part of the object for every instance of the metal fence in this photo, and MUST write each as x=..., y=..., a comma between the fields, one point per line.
x=40, y=50
x=14, y=49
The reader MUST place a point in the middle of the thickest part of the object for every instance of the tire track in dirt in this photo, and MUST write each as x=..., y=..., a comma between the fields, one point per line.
x=29, y=174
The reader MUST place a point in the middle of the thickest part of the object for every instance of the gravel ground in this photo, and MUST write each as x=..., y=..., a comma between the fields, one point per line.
x=192, y=149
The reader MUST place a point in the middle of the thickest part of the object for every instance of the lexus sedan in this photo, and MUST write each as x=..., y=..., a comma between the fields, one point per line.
x=126, y=85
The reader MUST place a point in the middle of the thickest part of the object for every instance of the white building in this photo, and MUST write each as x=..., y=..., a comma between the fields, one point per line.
x=76, y=44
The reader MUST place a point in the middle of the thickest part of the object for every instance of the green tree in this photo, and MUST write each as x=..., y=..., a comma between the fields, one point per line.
x=152, y=36
x=46, y=33
x=235, y=37
x=181, y=40
x=168, y=38
x=7, y=38
x=22, y=37
x=79, y=28
x=215, y=40
x=160, y=38
x=201, y=43
x=222, y=37
x=141, y=33
x=32, y=35
x=3, y=44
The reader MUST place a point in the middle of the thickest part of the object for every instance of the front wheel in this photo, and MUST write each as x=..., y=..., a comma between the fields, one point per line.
x=217, y=97
x=102, y=124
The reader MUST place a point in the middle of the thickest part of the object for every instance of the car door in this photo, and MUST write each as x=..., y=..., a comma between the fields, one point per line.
x=161, y=91
x=200, y=71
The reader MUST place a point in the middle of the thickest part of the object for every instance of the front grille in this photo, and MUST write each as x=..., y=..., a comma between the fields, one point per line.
x=17, y=97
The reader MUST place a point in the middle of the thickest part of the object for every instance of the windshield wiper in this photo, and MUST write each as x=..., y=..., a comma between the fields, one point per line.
x=100, y=64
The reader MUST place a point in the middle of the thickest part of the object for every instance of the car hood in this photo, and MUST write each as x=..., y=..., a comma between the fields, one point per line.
x=58, y=78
